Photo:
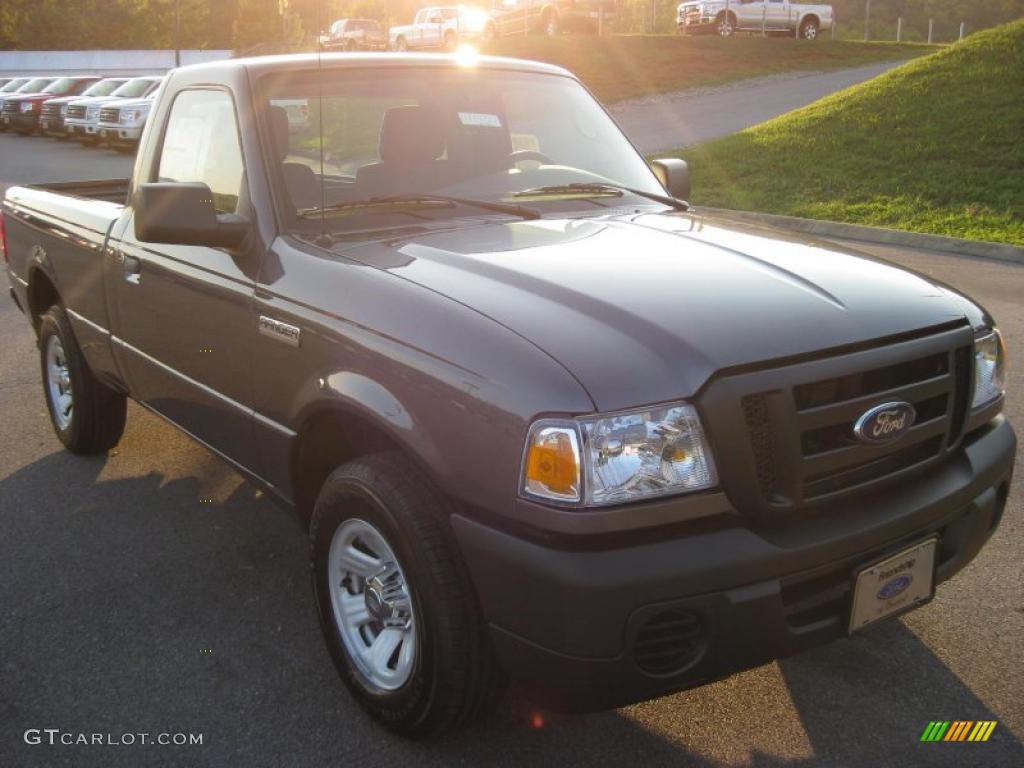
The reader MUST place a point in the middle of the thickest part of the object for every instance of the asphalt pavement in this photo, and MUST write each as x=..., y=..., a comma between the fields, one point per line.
x=153, y=591
x=673, y=120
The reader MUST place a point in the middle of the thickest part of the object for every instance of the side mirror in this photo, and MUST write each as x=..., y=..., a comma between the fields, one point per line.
x=674, y=175
x=182, y=213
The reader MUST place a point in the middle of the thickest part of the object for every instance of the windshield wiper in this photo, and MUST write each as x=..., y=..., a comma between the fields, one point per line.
x=416, y=200
x=599, y=189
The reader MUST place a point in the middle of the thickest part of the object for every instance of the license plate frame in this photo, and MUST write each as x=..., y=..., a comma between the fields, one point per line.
x=868, y=605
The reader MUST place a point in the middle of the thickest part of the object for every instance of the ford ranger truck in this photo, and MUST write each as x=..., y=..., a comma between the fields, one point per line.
x=774, y=17
x=541, y=418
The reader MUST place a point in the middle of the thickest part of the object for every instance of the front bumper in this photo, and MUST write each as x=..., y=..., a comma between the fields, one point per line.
x=53, y=126
x=81, y=130
x=571, y=625
x=124, y=134
x=22, y=121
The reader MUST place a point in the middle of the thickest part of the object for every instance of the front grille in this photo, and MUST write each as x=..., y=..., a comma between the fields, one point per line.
x=78, y=113
x=831, y=457
x=669, y=642
x=109, y=115
x=50, y=110
x=11, y=109
x=798, y=421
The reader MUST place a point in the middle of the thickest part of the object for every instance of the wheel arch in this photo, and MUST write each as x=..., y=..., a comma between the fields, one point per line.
x=42, y=293
x=809, y=16
x=361, y=421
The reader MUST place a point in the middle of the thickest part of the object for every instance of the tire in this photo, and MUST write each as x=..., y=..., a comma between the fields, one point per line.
x=725, y=25
x=92, y=419
x=809, y=29
x=401, y=46
x=551, y=26
x=451, y=41
x=451, y=675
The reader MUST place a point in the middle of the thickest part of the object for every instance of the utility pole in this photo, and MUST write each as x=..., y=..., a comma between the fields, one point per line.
x=177, y=33
x=867, y=20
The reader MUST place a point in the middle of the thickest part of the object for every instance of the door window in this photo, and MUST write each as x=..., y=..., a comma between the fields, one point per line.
x=201, y=144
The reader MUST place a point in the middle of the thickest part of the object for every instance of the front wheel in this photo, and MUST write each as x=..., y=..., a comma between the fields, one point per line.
x=809, y=30
x=87, y=415
x=451, y=41
x=401, y=45
x=396, y=605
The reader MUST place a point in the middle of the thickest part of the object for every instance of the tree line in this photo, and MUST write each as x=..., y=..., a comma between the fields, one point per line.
x=248, y=24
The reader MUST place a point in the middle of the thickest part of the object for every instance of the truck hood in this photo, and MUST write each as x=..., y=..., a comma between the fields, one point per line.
x=645, y=308
x=92, y=101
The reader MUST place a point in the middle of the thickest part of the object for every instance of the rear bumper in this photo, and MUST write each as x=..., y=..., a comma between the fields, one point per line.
x=571, y=625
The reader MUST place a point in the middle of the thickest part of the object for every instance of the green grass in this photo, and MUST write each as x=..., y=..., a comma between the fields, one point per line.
x=617, y=67
x=934, y=146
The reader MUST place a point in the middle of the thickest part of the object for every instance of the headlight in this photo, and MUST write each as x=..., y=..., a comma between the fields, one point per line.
x=989, y=368
x=63, y=110
x=27, y=106
x=475, y=19
x=92, y=113
x=131, y=116
x=624, y=457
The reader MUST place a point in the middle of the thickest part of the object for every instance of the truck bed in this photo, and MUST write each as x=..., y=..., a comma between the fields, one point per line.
x=109, y=190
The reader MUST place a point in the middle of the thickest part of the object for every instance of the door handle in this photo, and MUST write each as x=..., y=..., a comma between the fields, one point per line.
x=132, y=269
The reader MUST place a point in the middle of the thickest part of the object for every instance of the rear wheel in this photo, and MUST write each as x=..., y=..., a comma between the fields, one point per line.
x=551, y=25
x=87, y=415
x=725, y=25
x=451, y=41
x=396, y=606
x=809, y=29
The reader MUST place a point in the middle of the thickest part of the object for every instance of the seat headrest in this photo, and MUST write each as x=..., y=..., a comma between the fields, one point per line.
x=279, y=131
x=410, y=135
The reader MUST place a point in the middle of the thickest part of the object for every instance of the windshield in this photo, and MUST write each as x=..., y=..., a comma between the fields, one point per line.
x=134, y=88
x=484, y=134
x=14, y=85
x=104, y=87
x=36, y=85
x=61, y=85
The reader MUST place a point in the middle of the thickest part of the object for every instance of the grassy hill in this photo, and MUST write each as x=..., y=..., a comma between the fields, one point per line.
x=933, y=146
x=618, y=67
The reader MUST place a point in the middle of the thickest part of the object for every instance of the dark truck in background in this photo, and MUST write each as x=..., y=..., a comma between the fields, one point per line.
x=541, y=417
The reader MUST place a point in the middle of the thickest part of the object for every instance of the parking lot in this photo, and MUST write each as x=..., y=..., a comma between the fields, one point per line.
x=152, y=590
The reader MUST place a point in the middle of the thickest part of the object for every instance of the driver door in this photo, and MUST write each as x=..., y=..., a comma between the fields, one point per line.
x=186, y=328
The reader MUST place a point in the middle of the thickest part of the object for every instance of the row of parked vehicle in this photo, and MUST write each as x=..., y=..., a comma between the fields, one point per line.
x=445, y=26
x=89, y=108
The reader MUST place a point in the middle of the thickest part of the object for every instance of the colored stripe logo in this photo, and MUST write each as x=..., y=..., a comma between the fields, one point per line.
x=958, y=730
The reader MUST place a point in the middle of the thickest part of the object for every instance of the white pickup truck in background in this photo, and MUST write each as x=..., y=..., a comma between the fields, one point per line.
x=726, y=17
x=442, y=26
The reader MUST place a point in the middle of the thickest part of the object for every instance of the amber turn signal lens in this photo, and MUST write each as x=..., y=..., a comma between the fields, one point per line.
x=553, y=464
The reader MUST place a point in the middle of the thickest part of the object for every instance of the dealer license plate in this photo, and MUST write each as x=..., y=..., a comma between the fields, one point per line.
x=898, y=583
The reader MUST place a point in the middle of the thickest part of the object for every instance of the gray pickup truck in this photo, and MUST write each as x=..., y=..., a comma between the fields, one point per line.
x=541, y=418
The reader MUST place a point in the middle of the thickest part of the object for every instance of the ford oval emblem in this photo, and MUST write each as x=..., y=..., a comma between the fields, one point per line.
x=884, y=423
x=893, y=587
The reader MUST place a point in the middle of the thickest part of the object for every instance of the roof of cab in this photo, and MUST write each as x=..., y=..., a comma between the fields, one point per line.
x=260, y=65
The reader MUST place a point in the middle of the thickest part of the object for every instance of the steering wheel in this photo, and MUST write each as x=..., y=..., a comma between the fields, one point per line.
x=521, y=155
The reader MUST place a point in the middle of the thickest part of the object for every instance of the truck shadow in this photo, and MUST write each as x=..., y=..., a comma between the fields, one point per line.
x=182, y=604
